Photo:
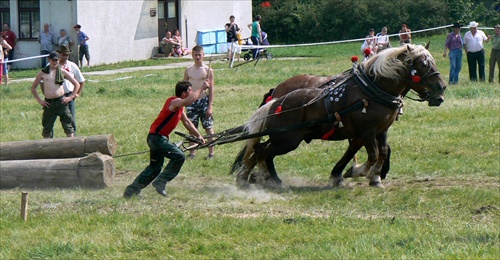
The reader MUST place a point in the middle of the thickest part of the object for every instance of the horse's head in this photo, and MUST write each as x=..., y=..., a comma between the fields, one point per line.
x=425, y=78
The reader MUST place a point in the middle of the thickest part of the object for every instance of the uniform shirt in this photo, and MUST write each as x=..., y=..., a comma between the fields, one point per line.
x=474, y=43
x=73, y=69
x=495, y=41
x=167, y=120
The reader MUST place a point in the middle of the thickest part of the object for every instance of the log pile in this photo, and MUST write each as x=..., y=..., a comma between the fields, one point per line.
x=61, y=162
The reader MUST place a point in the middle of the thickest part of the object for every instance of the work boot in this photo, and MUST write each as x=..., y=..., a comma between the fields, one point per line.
x=130, y=192
x=159, y=188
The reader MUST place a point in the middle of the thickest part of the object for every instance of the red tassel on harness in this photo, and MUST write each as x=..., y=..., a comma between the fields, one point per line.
x=328, y=134
x=278, y=110
x=416, y=78
x=269, y=98
x=354, y=59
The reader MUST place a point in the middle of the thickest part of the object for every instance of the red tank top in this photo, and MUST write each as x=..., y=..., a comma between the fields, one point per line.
x=167, y=120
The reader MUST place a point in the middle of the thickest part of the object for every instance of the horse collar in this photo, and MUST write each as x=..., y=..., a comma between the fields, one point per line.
x=373, y=91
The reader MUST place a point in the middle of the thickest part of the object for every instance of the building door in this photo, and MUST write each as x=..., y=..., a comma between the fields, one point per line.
x=167, y=16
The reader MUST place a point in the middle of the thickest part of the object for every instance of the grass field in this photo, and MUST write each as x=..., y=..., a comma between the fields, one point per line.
x=441, y=199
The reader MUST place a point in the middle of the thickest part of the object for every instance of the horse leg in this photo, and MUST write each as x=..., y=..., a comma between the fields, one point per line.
x=244, y=172
x=387, y=163
x=272, y=171
x=381, y=153
x=336, y=179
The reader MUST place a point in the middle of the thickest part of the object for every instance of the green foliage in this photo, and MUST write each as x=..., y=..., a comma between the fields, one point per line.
x=304, y=21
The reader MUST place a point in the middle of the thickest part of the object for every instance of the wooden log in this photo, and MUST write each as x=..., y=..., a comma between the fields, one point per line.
x=57, y=148
x=93, y=171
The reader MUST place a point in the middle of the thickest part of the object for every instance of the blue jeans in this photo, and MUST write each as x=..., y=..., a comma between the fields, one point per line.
x=455, y=65
x=160, y=147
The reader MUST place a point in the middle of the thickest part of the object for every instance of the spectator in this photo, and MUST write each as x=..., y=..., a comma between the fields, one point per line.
x=159, y=144
x=383, y=40
x=202, y=109
x=55, y=103
x=64, y=39
x=369, y=47
x=256, y=35
x=232, y=31
x=84, y=47
x=404, y=35
x=11, y=39
x=4, y=49
x=69, y=88
x=495, y=54
x=177, y=37
x=454, y=43
x=47, y=41
x=474, y=47
x=169, y=44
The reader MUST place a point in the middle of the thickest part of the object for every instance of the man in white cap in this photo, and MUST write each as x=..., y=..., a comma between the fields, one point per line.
x=474, y=47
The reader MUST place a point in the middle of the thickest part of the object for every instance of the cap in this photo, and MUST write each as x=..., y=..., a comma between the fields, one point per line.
x=457, y=25
x=473, y=24
x=53, y=56
x=77, y=26
x=497, y=26
x=371, y=30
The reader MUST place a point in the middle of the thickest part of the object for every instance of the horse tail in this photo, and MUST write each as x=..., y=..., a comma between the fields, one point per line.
x=256, y=124
x=267, y=97
x=237, y=162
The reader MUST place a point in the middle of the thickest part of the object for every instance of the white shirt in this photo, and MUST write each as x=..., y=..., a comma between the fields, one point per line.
x=73, y=69
x=382, y=38
x=474, y=43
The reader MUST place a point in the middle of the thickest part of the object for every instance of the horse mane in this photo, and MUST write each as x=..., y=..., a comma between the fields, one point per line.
x=387, y=63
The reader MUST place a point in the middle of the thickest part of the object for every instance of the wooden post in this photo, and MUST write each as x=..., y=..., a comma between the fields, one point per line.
x=93, y=171
x=24, y=205
x=58, y=148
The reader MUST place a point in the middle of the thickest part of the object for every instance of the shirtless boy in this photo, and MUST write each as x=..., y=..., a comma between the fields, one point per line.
x=55, y=103
x=201, y=109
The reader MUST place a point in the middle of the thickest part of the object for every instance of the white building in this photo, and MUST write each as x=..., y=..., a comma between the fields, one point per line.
x=119, y=30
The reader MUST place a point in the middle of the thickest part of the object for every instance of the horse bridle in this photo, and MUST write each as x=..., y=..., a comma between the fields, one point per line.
x=423, y=82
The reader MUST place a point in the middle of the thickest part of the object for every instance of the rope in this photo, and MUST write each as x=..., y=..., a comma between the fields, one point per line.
x=128, y=154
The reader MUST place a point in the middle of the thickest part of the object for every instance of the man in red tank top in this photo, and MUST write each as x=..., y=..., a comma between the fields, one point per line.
x=160, y=146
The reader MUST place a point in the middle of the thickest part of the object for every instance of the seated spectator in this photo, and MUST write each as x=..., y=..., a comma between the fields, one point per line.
x=168, y=44
x=383, y=40
x=177, y=37
x=404, y=35
x=369, y=46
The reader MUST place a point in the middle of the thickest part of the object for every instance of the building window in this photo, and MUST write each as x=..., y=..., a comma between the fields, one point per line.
x=4, y=11
x=29, y=19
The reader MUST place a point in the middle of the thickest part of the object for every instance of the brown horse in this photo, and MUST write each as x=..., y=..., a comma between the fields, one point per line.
x=361, y=109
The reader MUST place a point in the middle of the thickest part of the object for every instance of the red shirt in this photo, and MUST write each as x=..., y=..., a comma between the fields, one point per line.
x=10, y=37
x=167, y=120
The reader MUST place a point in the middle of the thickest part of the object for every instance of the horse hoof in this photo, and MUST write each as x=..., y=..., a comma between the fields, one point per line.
x=376, y=184
x=348, y=173
x=337, y=183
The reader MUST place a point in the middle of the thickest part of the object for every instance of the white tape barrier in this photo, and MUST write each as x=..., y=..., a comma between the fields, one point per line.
x=27, y=58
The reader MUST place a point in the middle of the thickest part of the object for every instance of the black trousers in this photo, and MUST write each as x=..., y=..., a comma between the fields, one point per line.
x=476, y=61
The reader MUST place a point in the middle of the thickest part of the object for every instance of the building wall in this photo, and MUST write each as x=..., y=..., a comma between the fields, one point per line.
x=118, y=30
x=123, y=30
x=201, y=15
